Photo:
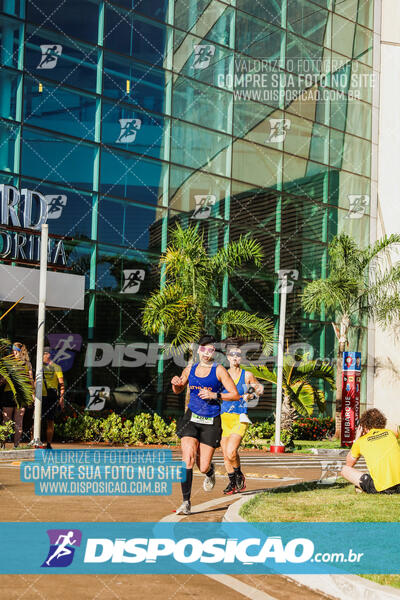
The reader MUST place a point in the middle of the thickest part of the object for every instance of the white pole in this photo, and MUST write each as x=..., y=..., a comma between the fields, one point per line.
x=281, y=342
x=40, y=334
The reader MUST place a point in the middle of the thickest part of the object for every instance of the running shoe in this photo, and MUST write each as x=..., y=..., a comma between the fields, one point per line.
x=230, y=489
x=240, y=482
x=184, y=509
x=209, y=482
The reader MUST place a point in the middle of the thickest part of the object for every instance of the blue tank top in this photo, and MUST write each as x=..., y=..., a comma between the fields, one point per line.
x=204, y=408
x=237, y=407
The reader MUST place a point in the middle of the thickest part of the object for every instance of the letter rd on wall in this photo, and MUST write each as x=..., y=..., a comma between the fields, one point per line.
x=25, y=210
x=22, y=214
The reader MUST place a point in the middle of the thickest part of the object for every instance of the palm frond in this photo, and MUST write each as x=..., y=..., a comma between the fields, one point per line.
x=261, y=372
x=229, y=258
x=14, y=373
x=242, y=323
x=381, y=248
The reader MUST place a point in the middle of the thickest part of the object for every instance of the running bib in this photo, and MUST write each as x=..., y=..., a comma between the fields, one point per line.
x=244, y=418
x=202, y=420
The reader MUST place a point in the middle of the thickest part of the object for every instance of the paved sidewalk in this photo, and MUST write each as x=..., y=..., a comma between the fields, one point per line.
x=19, y=503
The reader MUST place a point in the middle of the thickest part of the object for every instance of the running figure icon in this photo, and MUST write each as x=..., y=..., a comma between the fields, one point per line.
x=62, y=549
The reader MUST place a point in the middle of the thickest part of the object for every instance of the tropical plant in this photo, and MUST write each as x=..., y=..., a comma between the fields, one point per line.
x=13, y=372
x=300, y=381
x=361, y=283
x=186, y=305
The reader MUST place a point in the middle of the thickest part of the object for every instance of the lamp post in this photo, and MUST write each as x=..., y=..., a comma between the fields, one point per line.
x=278, y=447
x=40, y=335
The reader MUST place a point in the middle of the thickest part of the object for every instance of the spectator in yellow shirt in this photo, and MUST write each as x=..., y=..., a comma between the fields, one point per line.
x=53, y=383
x=381, y=451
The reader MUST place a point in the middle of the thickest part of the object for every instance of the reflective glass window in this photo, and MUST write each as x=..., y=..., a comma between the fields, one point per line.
x=204, y=61
x=11, y=46
x=307, y=20
x=201, y=104
x=255, y=164
x=133, y=130
x=69, y=210
x=60, y=59
x=71, y=17
x=13, y=7
x=153, y=8
x=304, y=177
x=343, y=33
x=8, y=139
x=257, y=38
x=303, y=57
x=199, y=148
x=115, y=270
x=128, y=176
x=363, y=45
x=59, y=109
x=9, y=82
x=53, y=158
x=146, y=87
x=131, y=34
x=128, y=224
x=270, y=11
x=199, y=195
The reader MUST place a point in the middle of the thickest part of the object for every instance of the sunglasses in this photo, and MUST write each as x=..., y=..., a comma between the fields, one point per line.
x=234, y=354
x=206, y=350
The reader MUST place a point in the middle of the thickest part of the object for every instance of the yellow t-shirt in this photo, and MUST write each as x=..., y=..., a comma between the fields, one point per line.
x=52, y=374
x=381, y=451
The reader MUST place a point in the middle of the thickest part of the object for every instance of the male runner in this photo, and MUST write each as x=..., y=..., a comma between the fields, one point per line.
x=52, y=380
x=200, y=427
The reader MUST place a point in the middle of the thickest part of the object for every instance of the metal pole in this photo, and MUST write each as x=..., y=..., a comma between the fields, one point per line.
x=281, y=341
x=40, y=334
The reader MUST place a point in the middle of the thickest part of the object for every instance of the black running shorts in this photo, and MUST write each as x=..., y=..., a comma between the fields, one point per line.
x=50, y=405
x=368, y=486
x=210, y=435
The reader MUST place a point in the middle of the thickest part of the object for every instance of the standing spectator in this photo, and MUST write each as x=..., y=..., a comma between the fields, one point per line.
x=52, y=393
x=10, y=409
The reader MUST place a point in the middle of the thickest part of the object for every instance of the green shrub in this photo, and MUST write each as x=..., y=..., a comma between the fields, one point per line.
x=313, y=428
x=6, y=430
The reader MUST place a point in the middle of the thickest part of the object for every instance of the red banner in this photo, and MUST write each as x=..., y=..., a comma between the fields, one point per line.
x=351, y=382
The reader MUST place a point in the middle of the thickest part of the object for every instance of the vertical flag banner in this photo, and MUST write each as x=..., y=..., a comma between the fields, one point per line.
x=351, y=381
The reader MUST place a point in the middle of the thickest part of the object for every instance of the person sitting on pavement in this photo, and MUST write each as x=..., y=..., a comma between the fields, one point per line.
x=381, y=451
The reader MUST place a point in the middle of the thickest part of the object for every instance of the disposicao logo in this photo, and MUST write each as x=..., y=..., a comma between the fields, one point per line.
x=190, y=550
x=62, y=547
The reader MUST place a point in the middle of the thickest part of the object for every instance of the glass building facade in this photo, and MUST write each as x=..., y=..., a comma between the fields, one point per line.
x=131, y=116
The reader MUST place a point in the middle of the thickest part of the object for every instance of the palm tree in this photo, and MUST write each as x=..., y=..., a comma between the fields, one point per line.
x=300, y=380
x=361, y=283
x=12, y=373
x=187, y=304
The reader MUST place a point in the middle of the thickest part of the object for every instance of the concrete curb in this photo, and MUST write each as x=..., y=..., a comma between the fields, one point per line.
x=344, y=587
x=341, y=587
x=17, y=454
